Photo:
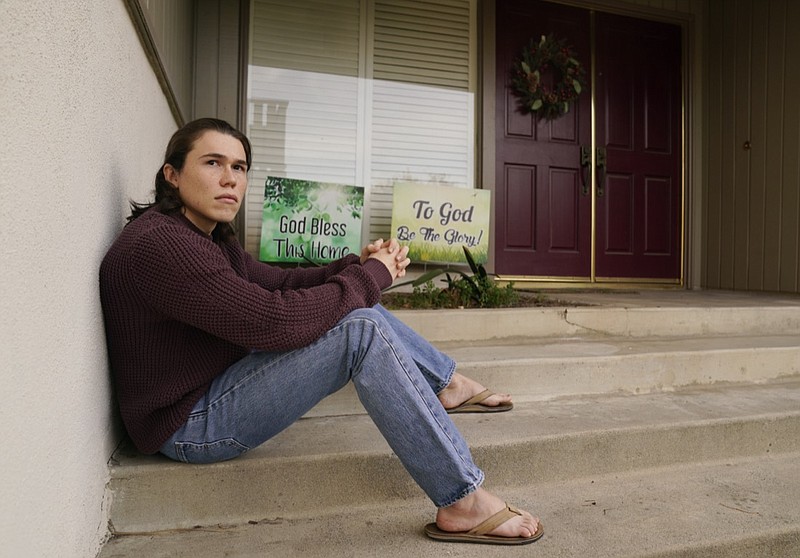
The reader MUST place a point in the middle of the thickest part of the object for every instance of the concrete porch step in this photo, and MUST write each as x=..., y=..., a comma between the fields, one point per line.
x=535, y=369
x=601, y=316
x=742, y=508
x=639, y=430
x=328, y=465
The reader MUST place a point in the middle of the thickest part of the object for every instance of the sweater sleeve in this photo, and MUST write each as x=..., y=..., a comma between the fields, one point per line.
x=275, y=278
x=186, y=277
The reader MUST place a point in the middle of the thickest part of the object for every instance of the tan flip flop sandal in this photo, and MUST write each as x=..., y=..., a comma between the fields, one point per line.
x=473, y=405
x=479, y=533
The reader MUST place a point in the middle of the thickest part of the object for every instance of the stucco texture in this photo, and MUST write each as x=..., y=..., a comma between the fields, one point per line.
x=84, y=124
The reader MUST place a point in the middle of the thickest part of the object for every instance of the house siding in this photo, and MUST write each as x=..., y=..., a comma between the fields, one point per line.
x=752, y=176
x=170, y=29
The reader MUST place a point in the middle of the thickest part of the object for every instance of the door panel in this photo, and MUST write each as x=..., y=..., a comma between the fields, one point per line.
x=520, y=228
x=564, y=200
x=618, y=214
x=658, y=194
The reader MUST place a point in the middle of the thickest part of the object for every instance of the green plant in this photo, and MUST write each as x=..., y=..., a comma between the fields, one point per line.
x=477, y=290
x=427, y=296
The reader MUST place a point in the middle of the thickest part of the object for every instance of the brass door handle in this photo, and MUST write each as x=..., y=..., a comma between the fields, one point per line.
x=586, y=162
x=601, y=171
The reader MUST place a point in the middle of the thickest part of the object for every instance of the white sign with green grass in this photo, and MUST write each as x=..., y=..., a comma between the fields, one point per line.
x=436, y=222
x=307, y=221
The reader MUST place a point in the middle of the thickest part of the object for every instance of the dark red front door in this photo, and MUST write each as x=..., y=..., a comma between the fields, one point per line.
x=638, y=97
x=543, y=195
x=544, y=213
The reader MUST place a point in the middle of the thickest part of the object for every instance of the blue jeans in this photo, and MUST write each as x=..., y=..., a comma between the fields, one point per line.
x=396, y=373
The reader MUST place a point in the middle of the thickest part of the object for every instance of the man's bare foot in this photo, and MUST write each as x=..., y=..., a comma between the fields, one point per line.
x=477, y=507
x=462, y=388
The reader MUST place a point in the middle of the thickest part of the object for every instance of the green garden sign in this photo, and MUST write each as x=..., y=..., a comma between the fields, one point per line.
x=308, y=221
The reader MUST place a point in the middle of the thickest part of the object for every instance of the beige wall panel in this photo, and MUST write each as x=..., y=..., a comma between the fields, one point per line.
x=773, y=172
x=752, y=217
x=217, y=91
x=712, y=204
x=789, y=209
x=755, y=207
x=228, y=86
x=196, y=51
x=728, y=178
x=743, y=104
x=728, y=103
x=171, y=27
x=207, y=62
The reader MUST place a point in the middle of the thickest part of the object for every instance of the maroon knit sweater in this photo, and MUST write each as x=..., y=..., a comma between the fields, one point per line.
x=181, y=307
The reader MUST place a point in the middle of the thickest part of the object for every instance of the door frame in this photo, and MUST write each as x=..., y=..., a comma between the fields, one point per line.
x=691, y=134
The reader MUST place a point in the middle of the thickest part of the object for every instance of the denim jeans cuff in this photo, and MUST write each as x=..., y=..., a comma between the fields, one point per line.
x=447, y=379
x=472, y=487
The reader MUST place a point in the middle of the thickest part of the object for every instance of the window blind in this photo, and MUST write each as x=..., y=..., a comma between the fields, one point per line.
x=364, y=92
x=422, y=106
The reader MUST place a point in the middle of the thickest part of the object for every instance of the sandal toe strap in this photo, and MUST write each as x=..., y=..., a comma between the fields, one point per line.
x=495, y=521
x=474, y=400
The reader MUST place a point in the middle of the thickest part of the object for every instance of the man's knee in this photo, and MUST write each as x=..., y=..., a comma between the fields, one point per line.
x=368, y=314
x=368, y=322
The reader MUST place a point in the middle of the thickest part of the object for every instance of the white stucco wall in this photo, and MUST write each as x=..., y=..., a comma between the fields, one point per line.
x=83, y=125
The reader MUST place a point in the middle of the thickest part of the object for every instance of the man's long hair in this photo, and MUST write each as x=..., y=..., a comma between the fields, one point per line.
x=167, y=197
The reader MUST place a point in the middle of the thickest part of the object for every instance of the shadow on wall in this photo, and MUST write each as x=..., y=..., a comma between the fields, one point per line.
x=115, y=220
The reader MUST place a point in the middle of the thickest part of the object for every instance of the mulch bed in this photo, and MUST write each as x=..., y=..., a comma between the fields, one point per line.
x=403, y=301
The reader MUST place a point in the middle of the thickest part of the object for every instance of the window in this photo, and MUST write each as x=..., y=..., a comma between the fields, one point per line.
x=363, y=92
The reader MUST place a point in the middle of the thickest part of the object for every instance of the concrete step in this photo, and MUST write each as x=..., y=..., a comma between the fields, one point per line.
x=600, y=320
x=327, y=465
x=701, y=461
x=536, y=369
x=742, y=508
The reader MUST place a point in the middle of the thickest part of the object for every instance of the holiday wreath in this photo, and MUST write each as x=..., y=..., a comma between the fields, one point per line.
x=548, y=55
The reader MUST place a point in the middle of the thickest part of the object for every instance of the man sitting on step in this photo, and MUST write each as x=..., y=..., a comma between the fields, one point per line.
x=213, y=353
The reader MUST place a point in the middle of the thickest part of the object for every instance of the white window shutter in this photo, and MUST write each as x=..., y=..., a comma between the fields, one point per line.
x=364, y=92
x=423, y=103
x=302, y=114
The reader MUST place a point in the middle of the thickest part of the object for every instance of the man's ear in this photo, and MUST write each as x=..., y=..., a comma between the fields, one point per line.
x=171, y=175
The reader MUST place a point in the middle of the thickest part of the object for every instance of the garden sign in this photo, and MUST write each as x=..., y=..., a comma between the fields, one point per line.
x=437, y=221
x=308, y=221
